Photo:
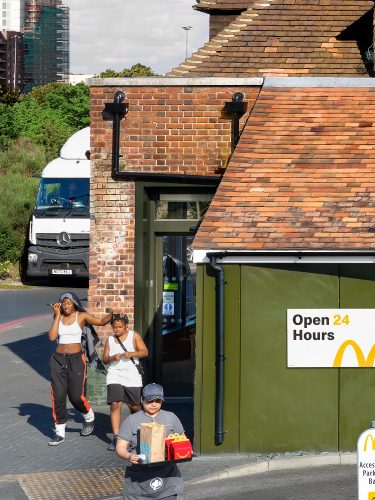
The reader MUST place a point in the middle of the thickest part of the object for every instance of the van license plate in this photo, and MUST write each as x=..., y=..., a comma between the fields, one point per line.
x=62, y=271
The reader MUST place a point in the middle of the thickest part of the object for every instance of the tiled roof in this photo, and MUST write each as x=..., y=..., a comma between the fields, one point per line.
x=289, y=37
x=207, y=5
x=302, y=176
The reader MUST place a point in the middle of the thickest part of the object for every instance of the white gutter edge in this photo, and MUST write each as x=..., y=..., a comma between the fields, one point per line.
x=318, y=82
x=176, y=81
x=200, y=257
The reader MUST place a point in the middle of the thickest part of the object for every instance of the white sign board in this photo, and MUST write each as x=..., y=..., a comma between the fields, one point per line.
x=366, y=465
x=168, y=303
x=331, y=338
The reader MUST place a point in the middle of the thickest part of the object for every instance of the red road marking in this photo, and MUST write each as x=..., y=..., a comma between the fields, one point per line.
x=17, y=322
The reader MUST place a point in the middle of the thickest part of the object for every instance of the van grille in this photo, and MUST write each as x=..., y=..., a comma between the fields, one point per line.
x=48, y=242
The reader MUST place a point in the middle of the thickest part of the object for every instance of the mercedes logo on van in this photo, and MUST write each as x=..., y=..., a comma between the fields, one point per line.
x=63, y=239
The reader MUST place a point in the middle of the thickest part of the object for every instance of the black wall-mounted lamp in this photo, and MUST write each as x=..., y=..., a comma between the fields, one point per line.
x=236, y=108
x=117, y=109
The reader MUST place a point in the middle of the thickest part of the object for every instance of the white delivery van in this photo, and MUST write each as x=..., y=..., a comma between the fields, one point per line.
x=60, y=224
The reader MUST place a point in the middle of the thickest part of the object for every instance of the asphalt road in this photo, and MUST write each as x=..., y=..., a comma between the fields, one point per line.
x=24, y=302
x=323, y=483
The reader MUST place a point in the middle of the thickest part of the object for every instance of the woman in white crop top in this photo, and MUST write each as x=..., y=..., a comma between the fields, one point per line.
x=68, y=363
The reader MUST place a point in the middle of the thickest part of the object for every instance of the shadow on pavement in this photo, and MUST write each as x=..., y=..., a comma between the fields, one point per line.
x=39, y=416
x=29, y=350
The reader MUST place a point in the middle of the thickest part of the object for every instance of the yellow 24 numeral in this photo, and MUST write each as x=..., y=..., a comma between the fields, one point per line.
x=338, y=320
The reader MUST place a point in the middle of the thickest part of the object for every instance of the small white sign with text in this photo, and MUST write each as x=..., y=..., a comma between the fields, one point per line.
x=366, y=465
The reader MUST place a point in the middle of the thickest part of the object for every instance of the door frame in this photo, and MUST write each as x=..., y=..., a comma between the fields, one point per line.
x=148, y=261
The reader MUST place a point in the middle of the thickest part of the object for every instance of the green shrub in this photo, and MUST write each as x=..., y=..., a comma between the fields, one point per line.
x=17, y=195
x=9, y=249
x=7, y=129
x=23, y=156
x=43, y=125
x=5, y=267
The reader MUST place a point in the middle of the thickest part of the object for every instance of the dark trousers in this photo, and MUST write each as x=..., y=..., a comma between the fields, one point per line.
x=68, y=378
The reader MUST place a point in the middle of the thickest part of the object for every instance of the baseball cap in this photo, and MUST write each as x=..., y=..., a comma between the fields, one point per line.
x=153, y=391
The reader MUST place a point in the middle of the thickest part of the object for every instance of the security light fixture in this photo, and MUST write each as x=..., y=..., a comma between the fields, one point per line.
x=236, y=108
x=117, y=109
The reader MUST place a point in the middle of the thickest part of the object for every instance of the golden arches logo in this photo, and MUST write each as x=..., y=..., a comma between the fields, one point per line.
x=362, y=361
x=371, y=438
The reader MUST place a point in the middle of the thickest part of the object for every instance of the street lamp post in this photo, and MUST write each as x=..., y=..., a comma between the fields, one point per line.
x=16, y=46
x=187, y=29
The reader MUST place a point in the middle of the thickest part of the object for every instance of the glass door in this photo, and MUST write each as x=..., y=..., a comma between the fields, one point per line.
x=176, y=290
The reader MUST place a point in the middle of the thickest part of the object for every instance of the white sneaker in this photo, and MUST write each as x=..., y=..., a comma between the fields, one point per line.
x=56, y=440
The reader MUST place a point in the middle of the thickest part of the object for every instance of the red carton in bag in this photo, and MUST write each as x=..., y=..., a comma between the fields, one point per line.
x=168, y=447
x=178, y=447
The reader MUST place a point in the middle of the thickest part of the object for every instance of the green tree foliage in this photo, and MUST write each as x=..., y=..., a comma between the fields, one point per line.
x=8, y=96
x=136, y=70
x=17, y=195
x=42, y=124
x=8, y=242
x=72, y=102
x=40, y=94
x=7, y=129
x=22, y=157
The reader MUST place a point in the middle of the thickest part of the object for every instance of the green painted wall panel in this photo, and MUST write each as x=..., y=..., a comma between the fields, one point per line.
x=280, y=407
x=207, y=417
x=232, y=321
x=269, y=407
x=357, y=386
x=232, y=352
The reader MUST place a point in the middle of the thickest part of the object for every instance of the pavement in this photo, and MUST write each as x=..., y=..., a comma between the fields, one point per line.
x=82, y=467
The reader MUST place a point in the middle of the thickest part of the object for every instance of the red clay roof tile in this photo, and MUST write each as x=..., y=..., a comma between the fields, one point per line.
x=307, y=171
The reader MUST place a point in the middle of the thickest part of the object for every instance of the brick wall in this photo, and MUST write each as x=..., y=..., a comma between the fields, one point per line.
x=168, y=129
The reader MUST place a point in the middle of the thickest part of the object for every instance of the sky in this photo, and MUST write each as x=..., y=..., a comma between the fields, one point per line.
x=119, y=33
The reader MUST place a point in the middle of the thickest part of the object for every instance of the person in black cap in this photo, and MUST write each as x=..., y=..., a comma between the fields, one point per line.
x=162, y=481
x=68, y=363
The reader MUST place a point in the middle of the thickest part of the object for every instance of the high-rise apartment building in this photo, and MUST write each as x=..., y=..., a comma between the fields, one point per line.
x=46, y=38
x=12, y=15
x=11, y=60
x=12, y=18
x=34, y=43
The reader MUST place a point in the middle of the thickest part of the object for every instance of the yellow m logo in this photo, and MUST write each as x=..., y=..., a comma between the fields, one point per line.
x=362, y=361
x=369, y=437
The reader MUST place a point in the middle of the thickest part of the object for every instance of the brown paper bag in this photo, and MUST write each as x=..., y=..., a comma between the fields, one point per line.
x=152, y=442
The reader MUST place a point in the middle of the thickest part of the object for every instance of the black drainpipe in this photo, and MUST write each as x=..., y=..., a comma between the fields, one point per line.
x=220, y=356
x=117, y=109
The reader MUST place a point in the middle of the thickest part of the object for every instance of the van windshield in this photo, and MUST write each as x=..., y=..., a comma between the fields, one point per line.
x=62, y=195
